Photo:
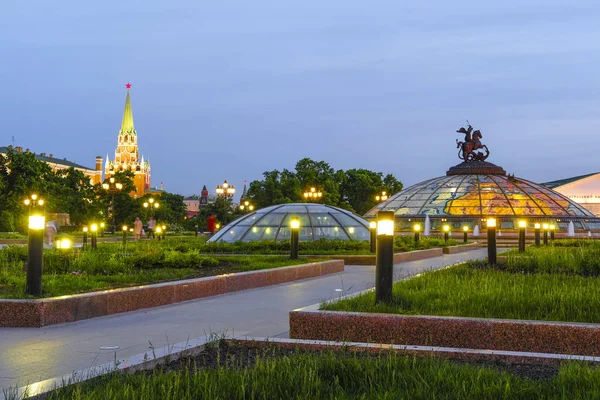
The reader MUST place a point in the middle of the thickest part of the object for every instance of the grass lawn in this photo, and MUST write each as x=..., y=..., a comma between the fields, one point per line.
x=265, y=374
x=115, y=273
x=474, y=290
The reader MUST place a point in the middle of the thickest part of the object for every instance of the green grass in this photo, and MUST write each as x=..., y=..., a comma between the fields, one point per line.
x=577, y=259
x=340, y=376
x=93, y=272
x=472, y=290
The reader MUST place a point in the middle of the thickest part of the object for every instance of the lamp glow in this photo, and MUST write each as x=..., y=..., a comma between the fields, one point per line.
x=85, y=228
x=36, y=222
x=545, y=226
x=537, y=226
x=552, y=227
x=125, y=228
x=446, y=228
x=385, y=227
x=94, y=227
x=158, y=229
x=295, y=223
x=417, y=228
x=522, y=224
x=63, y=244
x=372, y=224
x=491, y=222
x=465, y=228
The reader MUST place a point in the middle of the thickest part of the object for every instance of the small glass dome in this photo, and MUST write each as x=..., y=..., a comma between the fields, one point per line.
x=317, y=221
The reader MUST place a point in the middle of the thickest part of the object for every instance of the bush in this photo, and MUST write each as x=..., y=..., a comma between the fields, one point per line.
x=7, y=222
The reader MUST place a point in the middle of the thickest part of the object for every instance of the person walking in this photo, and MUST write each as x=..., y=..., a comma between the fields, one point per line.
x=51, y=230
x=151, y=227
x=138, y=227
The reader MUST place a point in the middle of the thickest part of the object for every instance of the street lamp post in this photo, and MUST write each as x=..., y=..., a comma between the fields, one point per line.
x=313, y=194
x=225, y=190
x=384, y=273
x=124, y=235
x=382, y=197
x=247, y=206
x=94, y=229
x=465, y=234
x=446, y=229
x=294, y=237
x=159, y=232
x=164, y=231
x=85, y=233
x=35, y=245
x=112, y=187
x=491, y=233
x=417, y=229
x=522, y=226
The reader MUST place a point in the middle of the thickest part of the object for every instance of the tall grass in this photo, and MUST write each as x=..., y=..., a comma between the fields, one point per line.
x=339, y=376
x=472, y=291
x=577, y=260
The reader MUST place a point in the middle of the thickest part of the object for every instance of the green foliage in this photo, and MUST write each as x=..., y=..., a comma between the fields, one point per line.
x=353, y=190
x=336, y=375
x=7, y=221
x=475, y=290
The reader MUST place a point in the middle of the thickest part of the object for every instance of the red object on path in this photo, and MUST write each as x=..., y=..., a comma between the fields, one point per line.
x=211, y=223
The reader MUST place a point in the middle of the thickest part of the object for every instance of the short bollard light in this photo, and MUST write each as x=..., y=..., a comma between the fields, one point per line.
x=164, y=231
x=94, y=230
x=295, y=236
x=537, y=234
x=64, y=244
x=124, y=234
x=102, y=225
x=384, y=272
x=158, y=232
x=552, y=229
x=35, y=254
x=545, y=227
x=217, y=227
x=85, y=234
x=491, y=233
x=417, y=229
x=522, y=226
x=446, y=229
x=373, y=236
x=465, y=234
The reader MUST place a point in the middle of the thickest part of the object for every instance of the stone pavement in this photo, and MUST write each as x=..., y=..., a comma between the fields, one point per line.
x=29, y=355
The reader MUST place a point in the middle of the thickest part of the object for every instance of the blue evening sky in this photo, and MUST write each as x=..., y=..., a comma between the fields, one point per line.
x=229, y=89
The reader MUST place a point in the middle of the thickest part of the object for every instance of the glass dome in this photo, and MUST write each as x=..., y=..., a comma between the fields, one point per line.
x=480, y=195
x=317, y=221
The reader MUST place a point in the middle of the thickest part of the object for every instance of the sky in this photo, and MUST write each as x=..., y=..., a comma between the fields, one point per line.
x=227, y=90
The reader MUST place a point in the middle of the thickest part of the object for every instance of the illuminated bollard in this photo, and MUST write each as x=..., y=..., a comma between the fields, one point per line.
x=417, y=229
x=94, y=229
x=491, y=232
x=537, y=235
x=294, y=237
x=373, y=235
x=465, y=234
x=384, y=272
x=545, y=227
x=446, y=229
x=522, y=226
x=35, y=255
x=85, y=234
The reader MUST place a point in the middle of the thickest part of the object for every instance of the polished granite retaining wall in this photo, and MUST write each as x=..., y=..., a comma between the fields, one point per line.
x=469, y=333
x=58, y=310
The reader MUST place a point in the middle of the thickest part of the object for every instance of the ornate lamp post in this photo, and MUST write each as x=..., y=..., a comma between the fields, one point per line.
x=225, y=190
x=112, y=187
x=313, y=194
x=35, y=245
x=384, y=272
x=382, y=197
x=247, y=206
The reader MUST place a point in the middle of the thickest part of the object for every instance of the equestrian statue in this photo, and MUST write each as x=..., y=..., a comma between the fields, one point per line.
x=472, y=142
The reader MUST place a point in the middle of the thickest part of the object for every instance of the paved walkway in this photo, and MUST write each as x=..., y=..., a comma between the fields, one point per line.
x=29, y=355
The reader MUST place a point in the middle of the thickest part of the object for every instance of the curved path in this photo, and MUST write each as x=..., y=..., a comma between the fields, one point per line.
x=29, y=355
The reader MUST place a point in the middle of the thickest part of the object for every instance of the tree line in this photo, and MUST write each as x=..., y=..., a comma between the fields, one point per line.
x=70, y=191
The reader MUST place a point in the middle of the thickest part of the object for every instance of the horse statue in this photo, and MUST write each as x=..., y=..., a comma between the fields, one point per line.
x=471, y=143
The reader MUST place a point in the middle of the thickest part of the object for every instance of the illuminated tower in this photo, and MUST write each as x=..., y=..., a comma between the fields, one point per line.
x=127, y=156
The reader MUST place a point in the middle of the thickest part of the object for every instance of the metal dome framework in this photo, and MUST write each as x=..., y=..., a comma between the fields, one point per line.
x=317, y=221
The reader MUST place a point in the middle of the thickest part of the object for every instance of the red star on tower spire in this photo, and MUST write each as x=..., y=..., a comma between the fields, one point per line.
x=128, y=85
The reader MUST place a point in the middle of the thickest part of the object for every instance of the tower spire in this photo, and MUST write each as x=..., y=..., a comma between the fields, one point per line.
x=127, y=123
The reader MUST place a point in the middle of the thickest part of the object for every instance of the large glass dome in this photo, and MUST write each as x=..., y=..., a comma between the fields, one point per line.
x=473, y=191
x=317, y=221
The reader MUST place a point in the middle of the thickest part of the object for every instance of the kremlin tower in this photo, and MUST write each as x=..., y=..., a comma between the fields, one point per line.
x=127, y=156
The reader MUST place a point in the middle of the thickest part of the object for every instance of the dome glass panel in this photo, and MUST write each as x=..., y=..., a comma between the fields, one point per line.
x=317, y=221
